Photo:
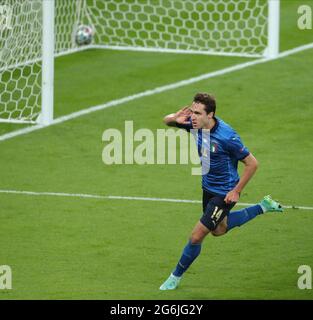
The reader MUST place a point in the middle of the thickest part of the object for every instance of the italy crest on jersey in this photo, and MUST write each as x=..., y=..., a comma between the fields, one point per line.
x=213, y=147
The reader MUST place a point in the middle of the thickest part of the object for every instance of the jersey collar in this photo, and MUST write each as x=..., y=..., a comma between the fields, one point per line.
x=215, y=126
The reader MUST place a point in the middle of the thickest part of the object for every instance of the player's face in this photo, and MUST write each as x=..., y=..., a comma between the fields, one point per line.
x=200, y=119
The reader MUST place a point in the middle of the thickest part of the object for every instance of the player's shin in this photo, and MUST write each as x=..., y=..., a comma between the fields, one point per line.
x=190, y=253
x=240, y=217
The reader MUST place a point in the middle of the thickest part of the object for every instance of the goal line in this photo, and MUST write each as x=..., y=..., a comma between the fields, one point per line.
x=130, y=198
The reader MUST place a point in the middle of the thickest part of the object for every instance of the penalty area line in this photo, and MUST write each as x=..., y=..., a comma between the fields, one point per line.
x=154, y=91
x=110, y=197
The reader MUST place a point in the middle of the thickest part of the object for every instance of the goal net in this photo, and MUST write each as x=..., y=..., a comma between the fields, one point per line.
x=20, y=60
x=219, y=27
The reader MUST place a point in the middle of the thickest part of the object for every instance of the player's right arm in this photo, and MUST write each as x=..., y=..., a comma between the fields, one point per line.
x=181, y=117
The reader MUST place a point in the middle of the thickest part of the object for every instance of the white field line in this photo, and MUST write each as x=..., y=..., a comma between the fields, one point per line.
x=95, y=196
x=195, y=52
x=155, y=91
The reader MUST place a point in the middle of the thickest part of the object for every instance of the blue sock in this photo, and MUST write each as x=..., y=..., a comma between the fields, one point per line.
x=190, y=253
x=240, y=217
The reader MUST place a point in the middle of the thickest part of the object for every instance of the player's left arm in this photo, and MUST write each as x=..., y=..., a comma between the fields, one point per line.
x=250, y=166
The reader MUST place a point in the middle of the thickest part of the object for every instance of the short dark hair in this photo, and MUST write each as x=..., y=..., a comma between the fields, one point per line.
x=208, y=101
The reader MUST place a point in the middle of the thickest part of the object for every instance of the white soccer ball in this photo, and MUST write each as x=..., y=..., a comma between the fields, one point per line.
x=84, y=35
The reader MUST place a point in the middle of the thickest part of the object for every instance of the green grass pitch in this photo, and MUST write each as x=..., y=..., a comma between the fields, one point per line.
x=78, y=248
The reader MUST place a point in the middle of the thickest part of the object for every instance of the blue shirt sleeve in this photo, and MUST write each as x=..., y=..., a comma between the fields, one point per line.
x=236, y=148
x=187, y=127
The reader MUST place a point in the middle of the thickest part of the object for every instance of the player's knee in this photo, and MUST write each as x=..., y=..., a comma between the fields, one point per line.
x=216, y=233
x=196, y=237
x=221, y=228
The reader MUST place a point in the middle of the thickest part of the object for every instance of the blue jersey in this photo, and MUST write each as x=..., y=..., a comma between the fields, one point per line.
x=225, y=149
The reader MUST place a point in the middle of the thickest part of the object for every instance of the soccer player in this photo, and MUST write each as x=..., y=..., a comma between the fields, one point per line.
x=221, y=184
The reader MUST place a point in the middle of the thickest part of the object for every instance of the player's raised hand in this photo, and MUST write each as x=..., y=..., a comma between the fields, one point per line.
x=182, y=116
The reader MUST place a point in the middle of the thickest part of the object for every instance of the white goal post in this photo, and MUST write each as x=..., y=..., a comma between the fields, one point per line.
x=34, y=32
